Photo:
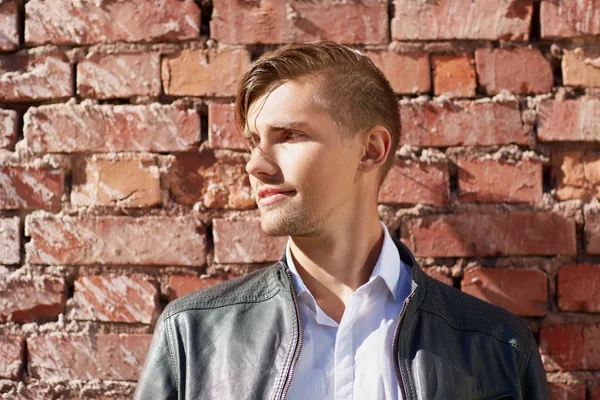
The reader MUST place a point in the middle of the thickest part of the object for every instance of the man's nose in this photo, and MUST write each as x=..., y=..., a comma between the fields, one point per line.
x=261, y=164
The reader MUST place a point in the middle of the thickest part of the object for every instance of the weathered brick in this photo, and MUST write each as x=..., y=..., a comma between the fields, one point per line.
x=491, y=181
x=407, y=72
x=578, y=70
x=180, y=285
x=561, y=347
x=27, y=299
x=595, y=393
x=30, y=187
x=10, y=240
x=12, y=349
x=577, y=175
x=518, y=70
x=491, y=235
x=212, y=72
x=454, y=75
x=114, y=240
x=200, y=177
x=91, y=21
x=126, y=299
x=569, y=120
x=245, y=242
x=107, y=76
x=131, y=182
x=9, y=30
x=578, y=288
x=412, y=182
x=520, y=291
x=35, y=77
x=591, y=348
x=461, y=124
x=592, y=230
x=222, y=131
x=564, y=19
x=103, y=356
x=566, y=392
x=8, y=129
x=299, y=21
x=508, y=20
x=104, y=128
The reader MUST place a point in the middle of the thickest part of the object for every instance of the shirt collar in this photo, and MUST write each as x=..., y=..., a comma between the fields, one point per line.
x=387, y=267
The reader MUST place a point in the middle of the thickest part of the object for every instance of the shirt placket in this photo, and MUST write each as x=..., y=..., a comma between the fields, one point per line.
x=345, y=351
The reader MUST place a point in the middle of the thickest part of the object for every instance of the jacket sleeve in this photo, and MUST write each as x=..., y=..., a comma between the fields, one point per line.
x=535, y=384
x=159, y=376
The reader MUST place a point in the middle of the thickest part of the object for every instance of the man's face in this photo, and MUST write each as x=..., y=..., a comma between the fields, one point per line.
x=302, y=174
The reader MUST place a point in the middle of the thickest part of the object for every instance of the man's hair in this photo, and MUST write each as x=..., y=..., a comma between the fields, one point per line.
x=351, y=88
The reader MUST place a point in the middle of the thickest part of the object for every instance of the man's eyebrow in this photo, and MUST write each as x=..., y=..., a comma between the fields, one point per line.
x=279, y=126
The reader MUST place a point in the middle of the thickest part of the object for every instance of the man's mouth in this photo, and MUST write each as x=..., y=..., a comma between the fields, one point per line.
x=271, y=197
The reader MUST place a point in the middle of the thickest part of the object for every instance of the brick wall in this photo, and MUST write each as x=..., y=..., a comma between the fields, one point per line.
x=122, y=181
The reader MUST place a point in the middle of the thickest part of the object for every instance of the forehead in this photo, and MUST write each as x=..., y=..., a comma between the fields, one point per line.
x=290, y=103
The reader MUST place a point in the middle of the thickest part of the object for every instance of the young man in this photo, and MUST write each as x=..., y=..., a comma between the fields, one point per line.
x=346, y=313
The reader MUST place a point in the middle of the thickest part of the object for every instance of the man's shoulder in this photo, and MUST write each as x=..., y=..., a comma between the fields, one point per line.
x=465, y=312
x=255, y=287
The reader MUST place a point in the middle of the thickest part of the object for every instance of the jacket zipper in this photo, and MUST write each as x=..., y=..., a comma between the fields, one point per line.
x=395, y=347
x=300, y=338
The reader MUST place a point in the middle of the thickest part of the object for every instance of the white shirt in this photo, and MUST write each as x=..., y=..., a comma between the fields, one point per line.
x=352, y=359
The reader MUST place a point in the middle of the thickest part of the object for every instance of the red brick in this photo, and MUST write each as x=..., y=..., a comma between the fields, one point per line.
x=591, y=348
x=34, y=77
x=103, y=356
x=8, y=129
x=10, y=240
x=30, y=187
x=11, y=356
x=569, y=120
x=518, y=70
x=520, y=291
x=130, y=182
x=592, y=231
x=577, y=72
x=407, y=72
x=412, y=182
x=577, y=175
x=490, y=181
x=454, y=75
x=507, y=20
x=180, y=285
x=9, y=30
x=595, y=393
x=564, y=19
x=578, y=288
x=461, y=124
x=104, y=128
x=565, y=392
x=245, y=242
x=299, y=21
x=126, y=299
x=89, y=21
x=27, y=299
x=107, y=76
x=562, y=347
x=491, y=235
x=222, y=131
x=201, y=178
x=212, y=72
x=115, y=240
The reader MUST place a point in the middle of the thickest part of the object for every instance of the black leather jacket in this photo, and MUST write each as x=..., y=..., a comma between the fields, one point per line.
x=241, y=340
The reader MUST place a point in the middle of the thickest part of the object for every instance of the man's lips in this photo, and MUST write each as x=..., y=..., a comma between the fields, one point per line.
x=267, y=197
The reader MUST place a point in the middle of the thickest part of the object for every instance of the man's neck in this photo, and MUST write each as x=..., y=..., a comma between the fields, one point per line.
x=333, y=266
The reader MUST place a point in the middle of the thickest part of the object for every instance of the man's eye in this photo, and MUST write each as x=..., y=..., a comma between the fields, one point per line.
x=292, y=135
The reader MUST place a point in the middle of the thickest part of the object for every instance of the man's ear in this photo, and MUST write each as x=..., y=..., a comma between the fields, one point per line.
x=377, y=145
